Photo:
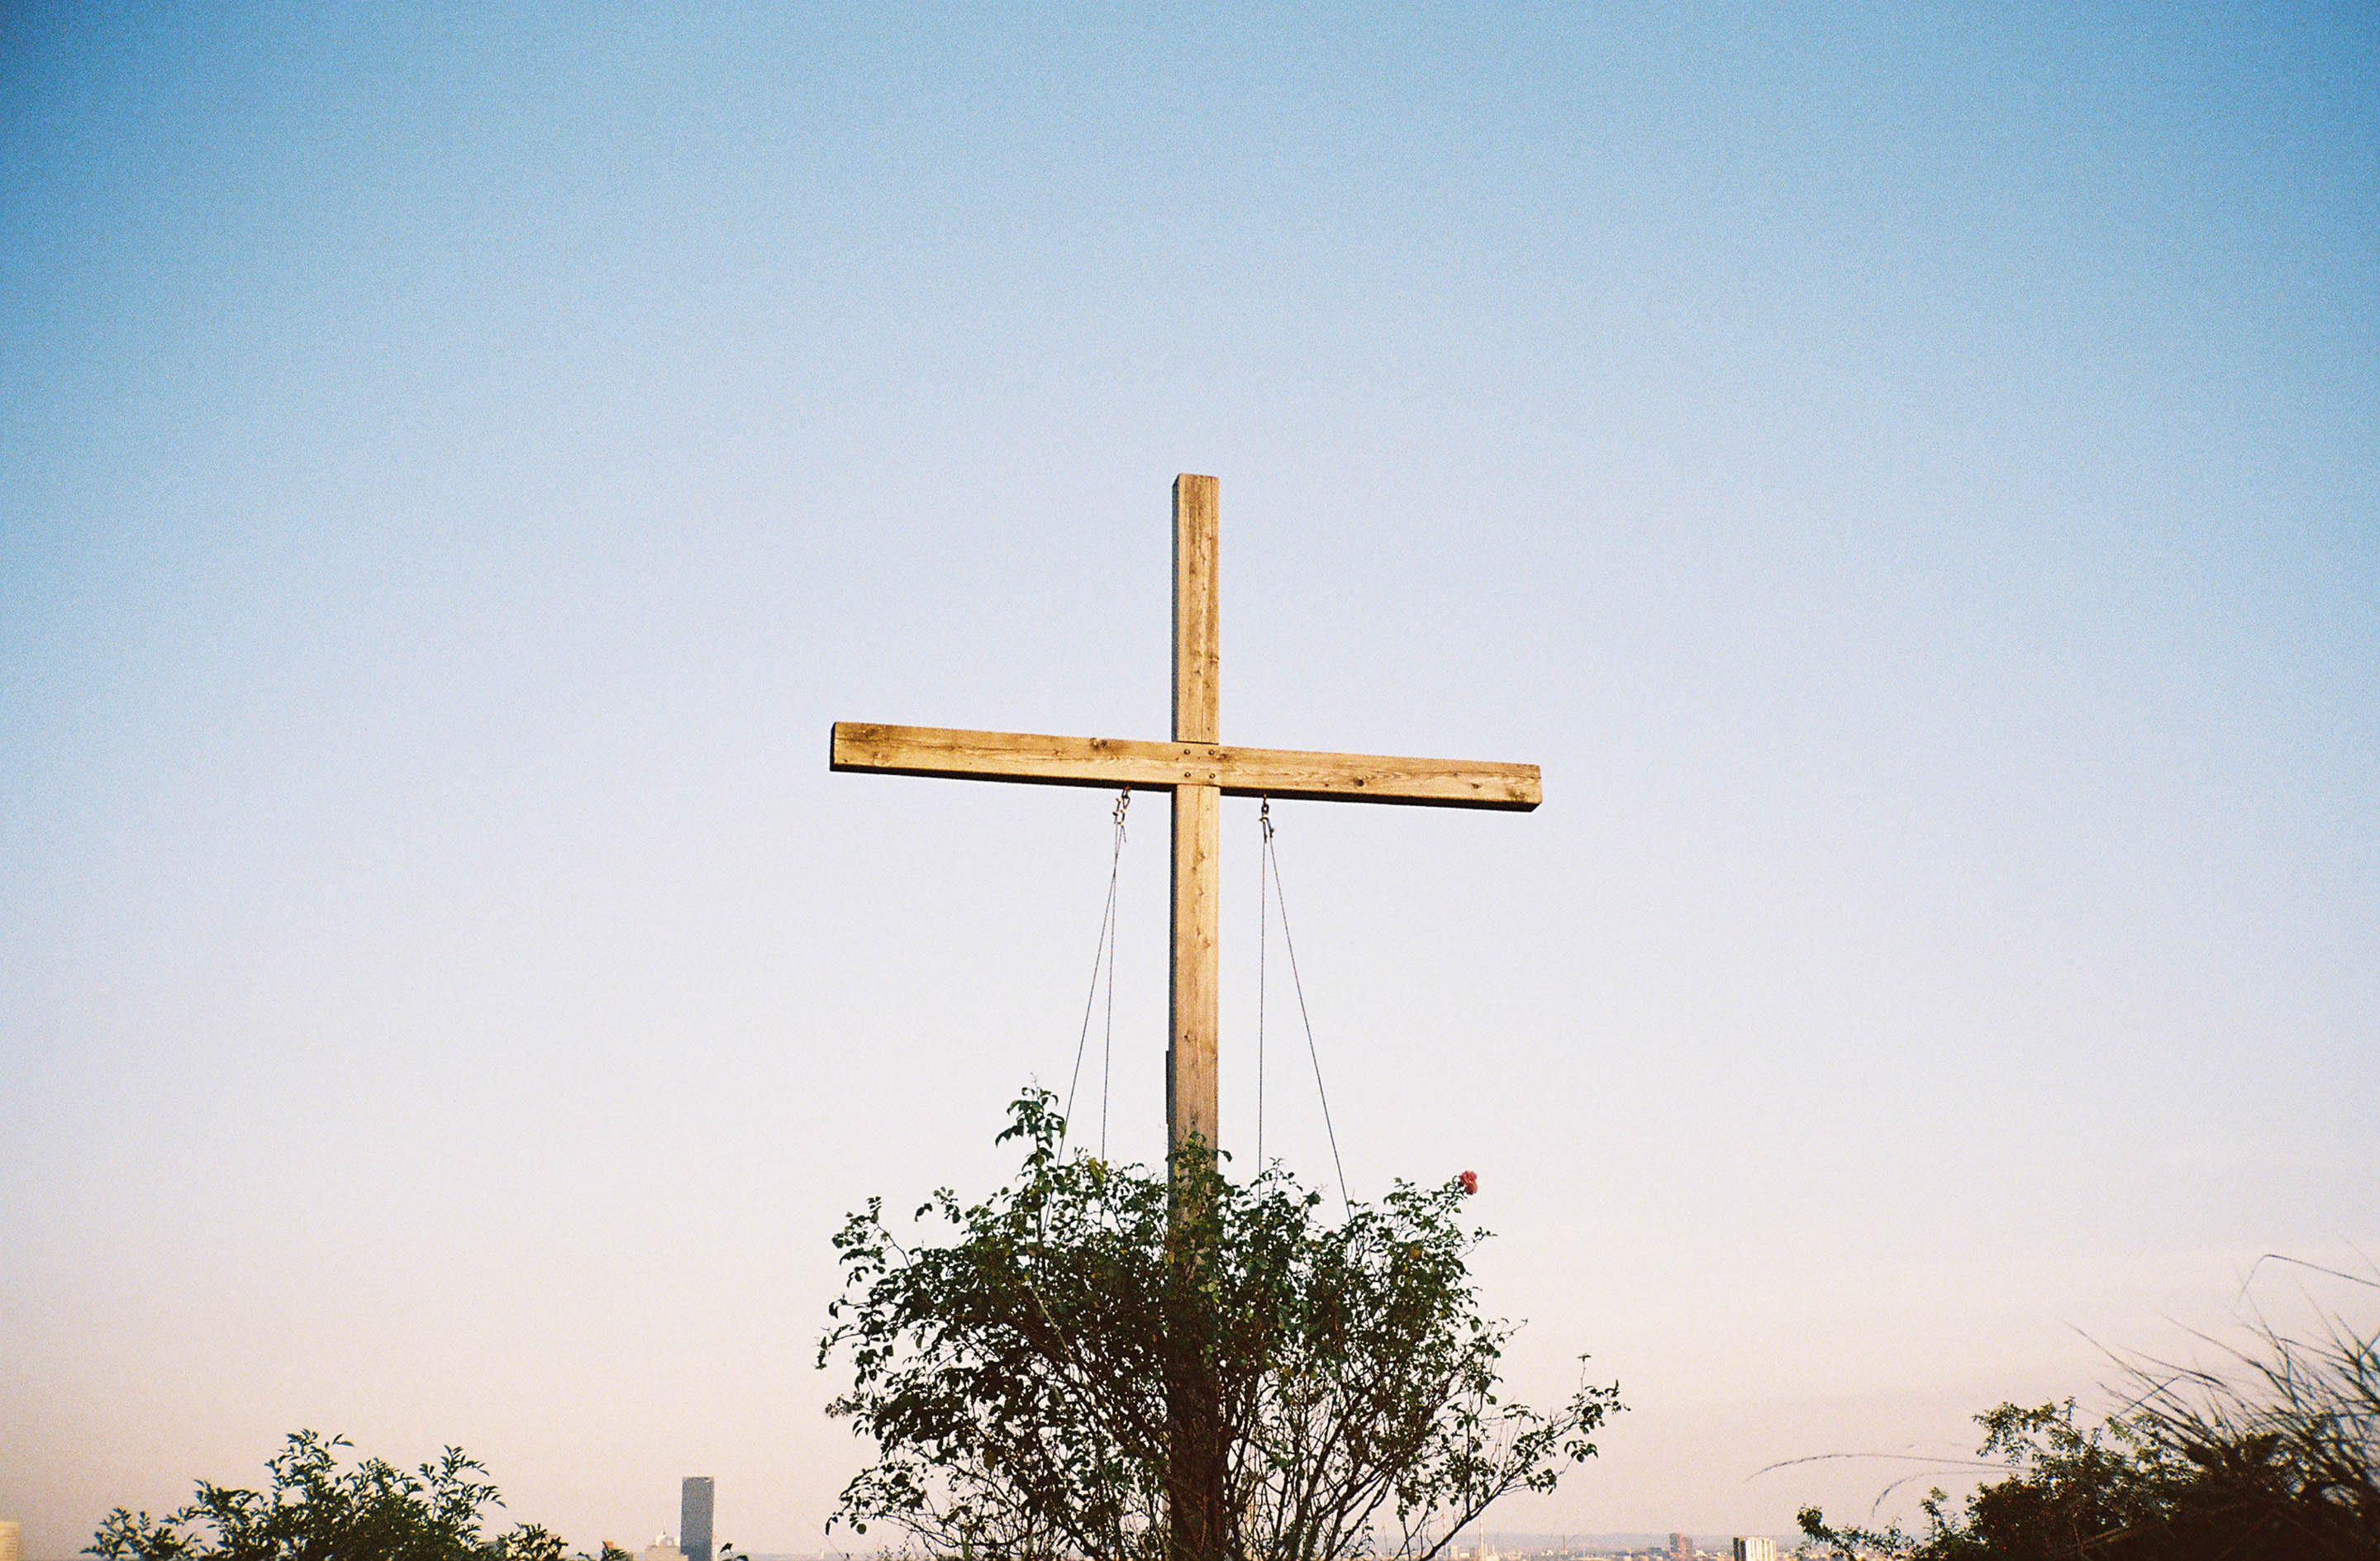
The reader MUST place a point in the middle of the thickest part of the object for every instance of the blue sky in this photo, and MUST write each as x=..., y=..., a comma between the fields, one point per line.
x=1907, y=474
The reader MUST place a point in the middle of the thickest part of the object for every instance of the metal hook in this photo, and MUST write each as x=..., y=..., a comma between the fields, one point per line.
x=1264, y=816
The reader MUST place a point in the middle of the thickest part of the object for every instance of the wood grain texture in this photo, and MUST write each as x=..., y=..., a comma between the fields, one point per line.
x=1198, y=613
x=1190, y=1108
x=1114, y=763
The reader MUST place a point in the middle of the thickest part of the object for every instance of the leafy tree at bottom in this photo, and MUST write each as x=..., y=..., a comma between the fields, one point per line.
x=1015, y=1379
x=2275, y=1460
x=317, y=1511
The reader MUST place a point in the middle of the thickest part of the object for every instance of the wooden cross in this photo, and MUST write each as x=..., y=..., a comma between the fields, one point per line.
x=1199, y=770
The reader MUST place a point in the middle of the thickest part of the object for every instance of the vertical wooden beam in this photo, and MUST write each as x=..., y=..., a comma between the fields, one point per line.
x=1195, y=1458
x=1190, y=1100
x=1190, y=1096
x=1197, y=611
x=1193, y=1472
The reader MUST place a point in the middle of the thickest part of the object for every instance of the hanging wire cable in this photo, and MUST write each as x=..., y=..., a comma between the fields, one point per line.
x=1104, y=953
x=1280, y=899
x=1107, y=1037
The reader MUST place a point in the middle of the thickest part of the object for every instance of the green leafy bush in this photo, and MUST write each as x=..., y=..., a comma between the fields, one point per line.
x=1015, y=1379
x=2275, y=1457
x=317, y=1511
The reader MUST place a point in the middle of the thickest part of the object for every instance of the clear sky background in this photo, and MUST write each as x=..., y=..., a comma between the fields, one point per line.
x=1906, y=472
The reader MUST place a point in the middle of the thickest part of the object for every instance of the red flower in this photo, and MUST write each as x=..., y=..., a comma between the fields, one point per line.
x=1470, y=1180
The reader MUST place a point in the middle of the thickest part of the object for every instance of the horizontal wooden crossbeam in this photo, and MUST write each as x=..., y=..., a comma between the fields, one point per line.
x=1114, y=763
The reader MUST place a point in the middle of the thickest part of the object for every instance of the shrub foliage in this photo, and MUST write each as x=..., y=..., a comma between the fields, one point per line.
x=2274, y=1458
x=1014, y=1377
x=317, y=1511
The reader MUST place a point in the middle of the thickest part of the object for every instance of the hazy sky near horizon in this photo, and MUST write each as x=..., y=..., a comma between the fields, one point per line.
x=1907, y=474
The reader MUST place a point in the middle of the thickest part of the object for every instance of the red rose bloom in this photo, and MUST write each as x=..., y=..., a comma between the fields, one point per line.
x=1470, y=1182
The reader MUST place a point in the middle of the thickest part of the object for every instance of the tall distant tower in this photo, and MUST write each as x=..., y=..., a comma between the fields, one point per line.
x=694, y=1518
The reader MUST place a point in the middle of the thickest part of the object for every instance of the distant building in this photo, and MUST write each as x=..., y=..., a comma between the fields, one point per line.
x=1756, y=1549
x=1682, y=1547
x=694, y=1518
x=662, y=1550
